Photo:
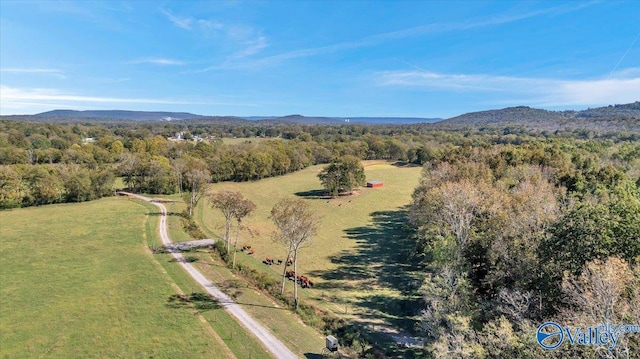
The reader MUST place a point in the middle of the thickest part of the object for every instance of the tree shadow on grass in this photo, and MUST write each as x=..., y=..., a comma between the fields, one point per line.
x=405, y=164
x=176, y=214
x=199, y=300
x=184, y=259
x=313, y=194
x=382, y=258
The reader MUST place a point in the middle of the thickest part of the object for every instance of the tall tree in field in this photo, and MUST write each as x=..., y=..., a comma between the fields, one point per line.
x=342, y=175
x=297, y=225
x=129, y=165
x=242, y=209
x=227, y=202
x=177, y=168
x=196, y=179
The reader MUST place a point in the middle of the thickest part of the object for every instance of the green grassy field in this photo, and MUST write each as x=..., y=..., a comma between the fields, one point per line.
x=119, y=184
x=80, y=282
x=358, y=258
x=240, y=140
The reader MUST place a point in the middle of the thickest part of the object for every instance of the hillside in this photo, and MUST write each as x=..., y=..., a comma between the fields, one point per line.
x=303, y=120
x=314, y=120
x=391, y=120
x=67, y=116
x=522, y=114
x=119, y=115
x=614, y=118
x=630, y=110
x=72, y=116
x=625, y=117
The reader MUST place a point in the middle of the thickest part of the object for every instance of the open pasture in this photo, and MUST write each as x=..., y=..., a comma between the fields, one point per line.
x=358, y=258
x=241, y=140
x=79, y=282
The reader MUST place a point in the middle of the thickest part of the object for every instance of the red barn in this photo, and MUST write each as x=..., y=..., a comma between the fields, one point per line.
x=374, y=184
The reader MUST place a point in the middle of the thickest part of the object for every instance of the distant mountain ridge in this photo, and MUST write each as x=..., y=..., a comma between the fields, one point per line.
x=624, y=117
x=121, y=115
x=300, y=119
x=515, y=115
x=303, y=120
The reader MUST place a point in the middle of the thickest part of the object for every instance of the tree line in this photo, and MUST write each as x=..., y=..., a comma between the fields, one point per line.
x=514, y=236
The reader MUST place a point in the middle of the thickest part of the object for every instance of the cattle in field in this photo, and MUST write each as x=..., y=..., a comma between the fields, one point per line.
x=289, y=274
x=303, y=280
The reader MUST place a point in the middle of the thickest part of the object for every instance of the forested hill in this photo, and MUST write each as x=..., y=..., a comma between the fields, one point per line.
x=624, y=117
x=299, y=119
x=314, y=120
x=118, y=115
x=72, y=116
x=524, y=115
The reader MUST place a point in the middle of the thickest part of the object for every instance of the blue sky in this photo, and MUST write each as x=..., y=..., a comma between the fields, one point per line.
x=321, y=58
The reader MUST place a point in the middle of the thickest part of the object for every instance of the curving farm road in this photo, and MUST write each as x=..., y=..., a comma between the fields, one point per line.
x=269, y=341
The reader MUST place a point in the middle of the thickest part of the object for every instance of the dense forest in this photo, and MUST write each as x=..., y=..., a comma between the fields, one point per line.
x=516, y=235
x=513, y=225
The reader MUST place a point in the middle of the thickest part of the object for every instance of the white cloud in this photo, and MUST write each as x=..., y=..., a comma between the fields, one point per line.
x=208, y=27
x=595, y=92
x=181, y=22
x=53, y=72
x=252, y=46
x=8, y=94
x=13, y=100
x=533, y=91
x=377, y=39
x=110, y=80
x=158, y=61
x=243, y=39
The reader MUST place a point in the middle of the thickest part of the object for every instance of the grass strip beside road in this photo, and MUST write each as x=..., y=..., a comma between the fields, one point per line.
x=241, y=343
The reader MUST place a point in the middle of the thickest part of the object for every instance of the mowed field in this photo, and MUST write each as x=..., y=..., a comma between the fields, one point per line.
x=357, y=259
x=78, y=281
x=241, y=140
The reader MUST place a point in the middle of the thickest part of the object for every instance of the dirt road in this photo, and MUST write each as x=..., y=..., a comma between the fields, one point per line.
x=269, y=341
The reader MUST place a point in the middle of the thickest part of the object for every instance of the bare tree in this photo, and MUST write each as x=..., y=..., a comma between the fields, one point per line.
x=196, y=178
x=605, y=292
x=129, y=164
x=297, y=225
x=460, y=204
x=178, y=165
x=515, y=304
x=242, y=209
x=227, y=203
